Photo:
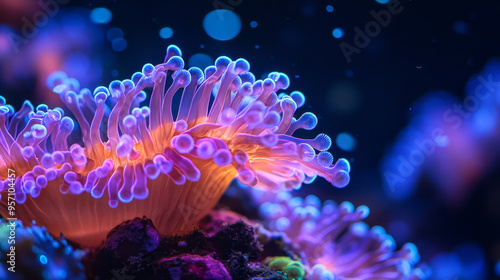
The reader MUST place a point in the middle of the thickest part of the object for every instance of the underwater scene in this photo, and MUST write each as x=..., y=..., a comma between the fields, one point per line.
x=238, y=139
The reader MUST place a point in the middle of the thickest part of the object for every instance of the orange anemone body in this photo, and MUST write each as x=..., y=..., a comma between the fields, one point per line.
x=172, y=170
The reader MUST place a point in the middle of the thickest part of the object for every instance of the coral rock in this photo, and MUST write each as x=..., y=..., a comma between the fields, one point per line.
x=190, y=267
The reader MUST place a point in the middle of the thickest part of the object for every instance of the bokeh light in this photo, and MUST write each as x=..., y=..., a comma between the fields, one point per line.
x=371, y=95
x=461, y=27
x=222, y=25
x=101, y=15
x=465, y=262
x=5, y=43
x=200, y=60
x=345, y=141
x=166, y=32
x=79, y=63
x=113, y=33
x=338, y=32
x=119, y=44
x=43, y=259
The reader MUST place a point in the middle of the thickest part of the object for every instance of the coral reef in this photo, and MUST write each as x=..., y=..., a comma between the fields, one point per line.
x=230, y=252
x=37, y=255
x=336, y=243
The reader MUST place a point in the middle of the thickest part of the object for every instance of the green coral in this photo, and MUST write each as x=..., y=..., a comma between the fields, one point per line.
x=293, y=269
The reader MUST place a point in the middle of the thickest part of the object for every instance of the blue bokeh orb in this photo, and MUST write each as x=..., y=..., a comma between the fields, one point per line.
x=100, y=15
x=166, y=32
x=222, y=25
x=345, y=141
x=338, y=32
x=119, y=44
x=200, y=60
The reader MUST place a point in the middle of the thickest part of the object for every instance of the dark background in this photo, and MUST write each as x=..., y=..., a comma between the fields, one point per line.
x=417, y=52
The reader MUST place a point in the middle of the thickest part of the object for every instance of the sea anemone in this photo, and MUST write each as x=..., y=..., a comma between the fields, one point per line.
x=335, y=243
x=173, y=168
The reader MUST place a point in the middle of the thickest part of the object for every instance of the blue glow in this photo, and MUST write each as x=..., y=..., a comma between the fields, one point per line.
x=442, y=140
x=461, y=27
x=383, y=1
x=409, y=158
x=253, y=24
x=472, y=260
x=114, y=33
x=266, y=208
x=5, y=44
x=345, y=141
x=41, y=248
x=338, y=32
x=100, y=15
x=200, y=60
x=394, y=168
x=56, y=78
x=359, y=228
x=282, y=224
x=497, y=268
x=119, y=44
x=257, y=46
x=467, y=261
x=222, y=25
x=43, y=259
x=445, y=266
x=114, y=73
x=166, y=32
x=349, y=73
x=61, y=274
x=485, y=119
x=77, y=64
x=68, y=250
x=329, y=8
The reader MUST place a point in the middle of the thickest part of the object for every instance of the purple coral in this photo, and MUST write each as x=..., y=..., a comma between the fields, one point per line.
x=336, y=244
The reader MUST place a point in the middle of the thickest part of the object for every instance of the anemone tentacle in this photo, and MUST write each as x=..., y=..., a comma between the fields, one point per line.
x=126, y=150
x=334, y=240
